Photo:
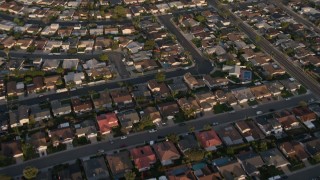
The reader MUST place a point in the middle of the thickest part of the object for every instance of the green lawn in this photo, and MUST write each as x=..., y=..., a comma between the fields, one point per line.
x=221, y=108
x=59, y=148
x=302, y=90
x=286, y=94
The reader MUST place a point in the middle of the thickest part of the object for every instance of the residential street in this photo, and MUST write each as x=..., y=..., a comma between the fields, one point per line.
x=142, y=137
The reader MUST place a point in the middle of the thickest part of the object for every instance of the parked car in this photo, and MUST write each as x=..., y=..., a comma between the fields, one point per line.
x=123, y=137
x=152, y=130
x=259, y=112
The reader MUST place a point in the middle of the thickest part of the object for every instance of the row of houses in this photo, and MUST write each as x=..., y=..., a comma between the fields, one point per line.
x=167, y=153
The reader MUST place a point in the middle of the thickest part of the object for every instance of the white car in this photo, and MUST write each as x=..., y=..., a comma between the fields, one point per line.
x=254, y=106
x=215, y=123
x=123, y=137
x=259, y=112
x=152, y=130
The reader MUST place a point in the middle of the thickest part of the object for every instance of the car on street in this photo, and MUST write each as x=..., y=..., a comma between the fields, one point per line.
x=259, y=112
x=182, y=124
x=254, y=106
x=123, y=137
x=215, y=124
x=100, y=151
x=152, y=130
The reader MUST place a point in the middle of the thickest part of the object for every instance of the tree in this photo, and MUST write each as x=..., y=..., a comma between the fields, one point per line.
x=173, y=137
x=192, y=129
x=31, y=49
x=60, y=70
x=130, y=175
x=200, y=18
x=104, y=57
x=160, y=77
x=7, y=51
x=207, y=127
x=30, y=172
x=149, y=45
x=119, y=12
x=303, y=104
x=28, y=151
x=195, y=154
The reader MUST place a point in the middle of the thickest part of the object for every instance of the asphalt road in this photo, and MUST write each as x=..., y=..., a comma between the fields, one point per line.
x=306, y=173
x=139, y=138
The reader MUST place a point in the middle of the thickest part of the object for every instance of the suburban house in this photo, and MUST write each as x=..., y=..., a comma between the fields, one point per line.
x=249, y=130
x=230, y=136
x=250, y=162
x=192, y=82
x=274, y=87
x=187, y=143
x=158, y=89
x=39, y=142
x=62, y=135
x=50, y=64
x=12, y=149
x=206, y=100
x=80, y=106
x=106, y=122
x=209, y=140
x=75, y=78
x=40, y=114
x=180, y=172
x=51, y=81
x=19, y=117
x=287, y=119
x=190, y=105
x=305, y=115
x=166, y=152
x=260, y=91
x=269, y=125
x=168, y=110
x=143, y=157
x=59, y=108
x=273, y=157
x=70, y=64
x=313, y=147
x=119, y=164
x=121, y=98
x=294, y=150
x=86, y=129
x=103, y=101
x=128, y=117
x=290, y=85
x=205, y=172
x=232, y=170
x=214, y=82
x=152, y=113
x=243, y=94
x=95, y=168
x=36, y=86
x=12, y=89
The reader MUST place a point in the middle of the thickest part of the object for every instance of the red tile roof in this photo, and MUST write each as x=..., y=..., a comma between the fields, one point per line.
x=107, y=121
x=208, y=138
x=143, y=157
